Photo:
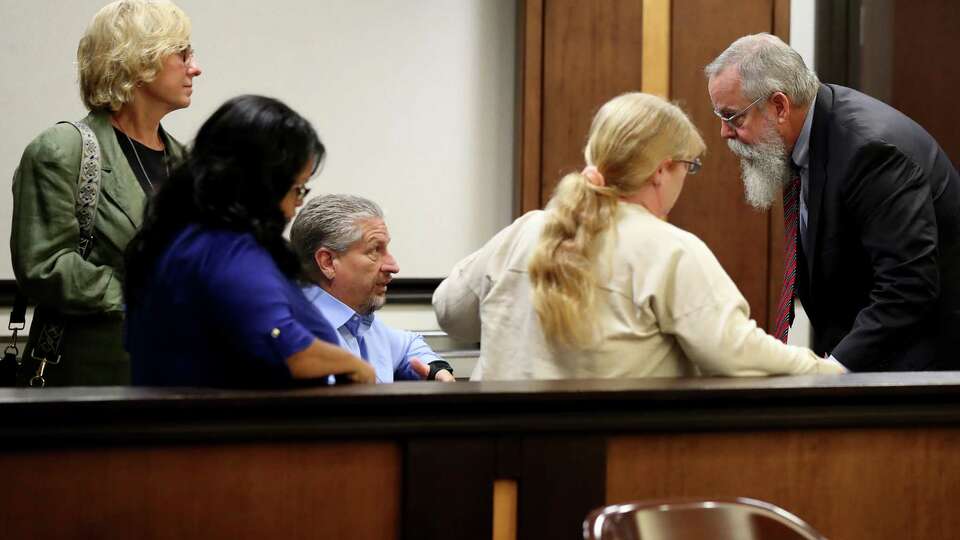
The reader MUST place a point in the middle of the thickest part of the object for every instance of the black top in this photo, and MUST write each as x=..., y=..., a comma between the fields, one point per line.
x=149, y=165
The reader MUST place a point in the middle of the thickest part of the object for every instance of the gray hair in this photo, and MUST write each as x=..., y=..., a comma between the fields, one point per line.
x=332, y=222
x=766, y=65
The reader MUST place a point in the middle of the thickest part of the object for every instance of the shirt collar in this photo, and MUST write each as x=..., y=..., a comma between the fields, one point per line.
x=801, y=150
x=336, y=312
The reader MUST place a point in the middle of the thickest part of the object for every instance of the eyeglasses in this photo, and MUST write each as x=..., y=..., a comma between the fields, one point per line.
x=736, y=120
x=301, y=191
x=693, y=166
x=187, y=54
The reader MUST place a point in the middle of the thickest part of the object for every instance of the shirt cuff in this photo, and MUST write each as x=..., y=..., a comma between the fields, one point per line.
x=833, y=359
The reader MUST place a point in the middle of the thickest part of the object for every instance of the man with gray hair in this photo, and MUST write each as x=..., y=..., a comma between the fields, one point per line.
x=342, y=242
x=871, y=208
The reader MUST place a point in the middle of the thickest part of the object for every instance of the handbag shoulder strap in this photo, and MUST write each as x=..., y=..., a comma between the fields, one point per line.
x=88, y=195
x=88, y=185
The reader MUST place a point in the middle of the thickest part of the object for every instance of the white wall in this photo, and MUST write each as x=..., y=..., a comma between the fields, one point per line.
x=413, y=99
x=802, y=28
x=802, y=31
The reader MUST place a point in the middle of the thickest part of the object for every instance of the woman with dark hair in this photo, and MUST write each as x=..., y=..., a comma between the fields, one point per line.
x=211, y=298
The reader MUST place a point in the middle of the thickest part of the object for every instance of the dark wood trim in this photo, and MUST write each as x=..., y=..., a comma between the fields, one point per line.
x=66, y=416
x=560, y=479
x=448, y=488
x=563, y=478
x=412, y=290
x=781, y=19
x=401, y=290
x=924, y=72
x=530, y=105
x=832, y=41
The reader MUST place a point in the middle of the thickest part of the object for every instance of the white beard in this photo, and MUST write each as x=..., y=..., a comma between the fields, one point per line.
x=765, y=167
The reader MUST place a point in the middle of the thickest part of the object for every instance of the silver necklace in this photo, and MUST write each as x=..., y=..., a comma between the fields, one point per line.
x=142, y=168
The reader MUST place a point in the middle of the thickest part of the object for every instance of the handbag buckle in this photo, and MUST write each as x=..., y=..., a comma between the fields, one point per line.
x=43, y=359
x=37, y=381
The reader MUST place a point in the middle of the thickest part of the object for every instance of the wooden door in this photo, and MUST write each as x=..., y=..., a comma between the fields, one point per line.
x=577, y=55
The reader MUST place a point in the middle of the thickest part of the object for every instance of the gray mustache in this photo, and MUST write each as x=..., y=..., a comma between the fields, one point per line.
x=744, y=151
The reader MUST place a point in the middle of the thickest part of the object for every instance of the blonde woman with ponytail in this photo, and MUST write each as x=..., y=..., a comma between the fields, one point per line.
x=599, y=285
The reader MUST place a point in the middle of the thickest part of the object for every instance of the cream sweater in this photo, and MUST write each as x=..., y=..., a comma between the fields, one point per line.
x=664, y=308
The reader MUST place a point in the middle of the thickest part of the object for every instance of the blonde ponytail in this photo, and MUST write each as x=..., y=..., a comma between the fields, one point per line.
x=630, y=137
x=561, y=268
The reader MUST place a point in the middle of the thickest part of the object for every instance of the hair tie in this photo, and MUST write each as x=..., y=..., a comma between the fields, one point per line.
x=593, y=176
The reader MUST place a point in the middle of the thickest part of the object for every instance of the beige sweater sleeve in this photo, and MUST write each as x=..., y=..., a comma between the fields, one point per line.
x=456, y=302
x=711, y=321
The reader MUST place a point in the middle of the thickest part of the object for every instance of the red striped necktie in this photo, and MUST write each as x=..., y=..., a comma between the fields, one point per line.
x=791, y=226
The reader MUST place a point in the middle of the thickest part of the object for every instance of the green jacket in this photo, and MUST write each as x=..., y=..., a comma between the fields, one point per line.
x=87, y=294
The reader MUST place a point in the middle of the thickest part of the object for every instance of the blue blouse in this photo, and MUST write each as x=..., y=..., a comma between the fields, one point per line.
x=217, y=311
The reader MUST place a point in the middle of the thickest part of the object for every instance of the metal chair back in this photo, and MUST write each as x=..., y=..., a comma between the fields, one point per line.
x=685, y=519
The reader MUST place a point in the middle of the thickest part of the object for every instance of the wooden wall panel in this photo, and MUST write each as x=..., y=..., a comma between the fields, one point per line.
x=592, y=52
x=555, y=481
x=712, y=205
x=315, y=490
x=852, y=484
x=781, y=19
x=926, y=69
x=449, y=487
x=562, y=479
x=530, y=105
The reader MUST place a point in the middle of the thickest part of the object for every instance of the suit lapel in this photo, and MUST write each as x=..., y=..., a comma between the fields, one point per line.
x=819, y=155
x=118, y=182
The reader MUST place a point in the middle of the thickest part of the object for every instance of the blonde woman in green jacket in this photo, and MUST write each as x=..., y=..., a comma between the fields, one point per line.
x=135, y=66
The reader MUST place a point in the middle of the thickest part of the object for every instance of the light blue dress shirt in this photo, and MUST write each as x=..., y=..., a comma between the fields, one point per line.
x=801, y=159
x=388, y=350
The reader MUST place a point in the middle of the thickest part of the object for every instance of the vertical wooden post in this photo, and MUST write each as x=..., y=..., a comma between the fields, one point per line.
x=655, y=63
x=504, y=509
